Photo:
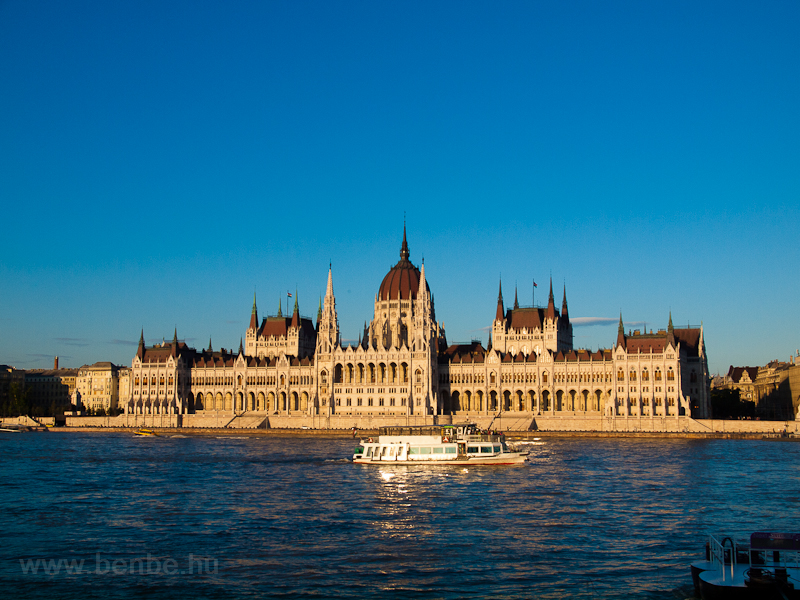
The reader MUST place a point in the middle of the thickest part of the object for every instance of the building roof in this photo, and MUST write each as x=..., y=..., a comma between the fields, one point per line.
x=402, y=279
x=735, y=373
x=525, y=318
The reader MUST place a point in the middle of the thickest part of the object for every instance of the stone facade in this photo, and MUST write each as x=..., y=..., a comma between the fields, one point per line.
x=402, y=367
x=97, y=386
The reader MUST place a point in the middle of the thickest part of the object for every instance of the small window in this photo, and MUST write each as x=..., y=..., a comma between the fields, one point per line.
x=497, y=448
x=450, y=450
x=369, y=452
x=413, y=450
x=438, y=450
x=486, y=449
x=425, y=450
x=472, y=450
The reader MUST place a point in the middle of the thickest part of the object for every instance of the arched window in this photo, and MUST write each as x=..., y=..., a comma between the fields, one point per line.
x=645, y=375
x=633, y=375
x=657, y=375
x=670, y=375
x=418, y=376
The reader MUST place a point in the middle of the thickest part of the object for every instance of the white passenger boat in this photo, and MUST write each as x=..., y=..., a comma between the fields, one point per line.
x=767, y=567
x=461, y=444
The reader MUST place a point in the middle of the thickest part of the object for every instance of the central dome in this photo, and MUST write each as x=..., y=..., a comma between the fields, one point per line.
x=402, y=279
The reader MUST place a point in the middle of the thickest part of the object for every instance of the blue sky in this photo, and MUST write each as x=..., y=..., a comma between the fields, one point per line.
x=161, y=161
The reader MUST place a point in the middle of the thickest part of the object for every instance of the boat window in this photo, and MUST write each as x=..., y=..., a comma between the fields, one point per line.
x=450, y=450
x=438, y=450
x=497, y=448
x=413, y=449
x=369, y=451
x=472, y=450
x=391, y=451
x=359, y=450
x=486, y=449
x=425, y=450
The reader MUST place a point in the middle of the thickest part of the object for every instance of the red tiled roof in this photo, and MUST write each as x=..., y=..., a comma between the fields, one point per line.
x=529, y=318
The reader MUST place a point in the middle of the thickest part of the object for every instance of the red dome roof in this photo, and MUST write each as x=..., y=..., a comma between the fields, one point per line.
x=403, y=278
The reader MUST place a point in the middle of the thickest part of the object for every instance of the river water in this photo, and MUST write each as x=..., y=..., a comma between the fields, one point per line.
x=109, y=515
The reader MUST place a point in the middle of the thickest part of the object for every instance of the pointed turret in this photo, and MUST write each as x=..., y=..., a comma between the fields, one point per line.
x=489, y=346
x=670, y=331
x=280, y=312
x=254, y=314
x=319, y=312
x=551, y=304
x=500, y=314
x=296, y=313
x=140, y=350
x=209, y=345
x=329, y=288
x=241, y=348
x=564, y=310
x=404, y=248
x=516, y=301
x=620, y=332
x=175, y=337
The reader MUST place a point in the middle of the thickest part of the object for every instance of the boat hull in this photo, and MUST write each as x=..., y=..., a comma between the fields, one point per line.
x=512, y=458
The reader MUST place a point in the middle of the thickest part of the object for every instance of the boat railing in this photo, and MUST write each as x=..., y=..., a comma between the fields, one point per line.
x=483, y=438
x=723, y=554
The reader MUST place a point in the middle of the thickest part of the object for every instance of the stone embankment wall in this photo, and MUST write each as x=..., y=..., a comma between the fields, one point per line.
x=503, y=422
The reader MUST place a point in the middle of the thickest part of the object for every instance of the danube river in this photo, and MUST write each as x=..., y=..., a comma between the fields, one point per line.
x=108, y=515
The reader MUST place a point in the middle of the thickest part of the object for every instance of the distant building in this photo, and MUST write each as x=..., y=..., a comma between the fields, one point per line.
x=774, y=387
x=402, y=365
x=51, y=388
x=8, y=376
x=742, y=379
x=97, y=386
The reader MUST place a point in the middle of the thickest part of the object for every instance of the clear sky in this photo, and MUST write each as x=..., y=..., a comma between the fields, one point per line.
x=161, y=161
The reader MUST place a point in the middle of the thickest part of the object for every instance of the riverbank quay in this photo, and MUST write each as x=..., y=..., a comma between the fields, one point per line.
x=512, y=424
x=363, y=433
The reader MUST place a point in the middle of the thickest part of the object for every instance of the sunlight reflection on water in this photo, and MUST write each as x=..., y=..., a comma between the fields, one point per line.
x=585, y=518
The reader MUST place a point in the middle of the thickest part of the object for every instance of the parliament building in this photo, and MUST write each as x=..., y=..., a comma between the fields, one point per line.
x=403, y=366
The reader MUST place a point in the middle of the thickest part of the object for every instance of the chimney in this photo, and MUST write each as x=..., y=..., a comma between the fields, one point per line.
x=55, y=364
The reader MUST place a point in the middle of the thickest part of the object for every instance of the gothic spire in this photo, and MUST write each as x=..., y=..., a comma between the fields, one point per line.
x=140, y=351
x=670, y=331
x=319, y=311
x=500, y=310
x=329, y=288
x=516, y=302
x=551, y=303
x=209, y=345
x=241, y=348
x=175, y=337
x=404, y=248
x=280, y=312
x=254, y=314
x=296, y=313
x=564, y=311
x=620, y=332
